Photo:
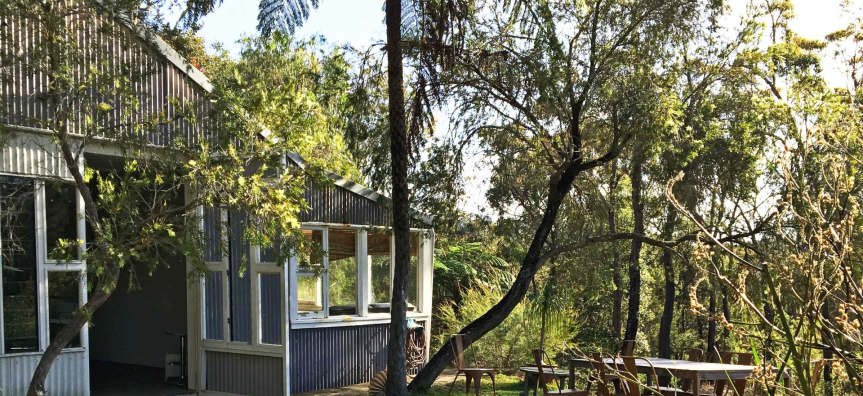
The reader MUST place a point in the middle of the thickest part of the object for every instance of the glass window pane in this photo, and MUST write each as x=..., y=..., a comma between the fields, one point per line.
x=63, y=301
x=18, y=241
x=213, y=234
x=309, y=294
x=271, y=308
x=61, y=220
x=380, y=261
x=342, y=252
x=413, y=274
x=240, y=281
x=312, y=263
x=213, y=309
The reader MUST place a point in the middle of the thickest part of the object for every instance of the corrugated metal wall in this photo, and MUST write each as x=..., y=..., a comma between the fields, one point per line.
x=244, y=374
x=34, y=155
x=332, y=357
x=119, y=54
x=338, y=205
x=68, y=376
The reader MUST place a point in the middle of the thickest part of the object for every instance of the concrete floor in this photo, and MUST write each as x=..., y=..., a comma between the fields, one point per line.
x=114, y=379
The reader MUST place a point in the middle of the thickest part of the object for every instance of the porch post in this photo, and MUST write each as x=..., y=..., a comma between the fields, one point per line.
x=286, y=326
x=193, y=333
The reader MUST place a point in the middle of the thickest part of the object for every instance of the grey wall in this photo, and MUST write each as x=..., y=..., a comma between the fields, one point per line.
x=129, y=327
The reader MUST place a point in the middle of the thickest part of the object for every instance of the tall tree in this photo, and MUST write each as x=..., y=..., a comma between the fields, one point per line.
x=536, y=89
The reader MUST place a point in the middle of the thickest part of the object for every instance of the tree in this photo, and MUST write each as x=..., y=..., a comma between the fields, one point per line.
x=537, y=87
x=145, y=207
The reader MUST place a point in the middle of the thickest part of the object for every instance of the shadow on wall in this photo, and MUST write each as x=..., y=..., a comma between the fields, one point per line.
x=130, y=327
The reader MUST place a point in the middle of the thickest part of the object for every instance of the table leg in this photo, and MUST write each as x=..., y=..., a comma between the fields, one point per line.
x=696, y=385
x=571, y=374
x=526, y=390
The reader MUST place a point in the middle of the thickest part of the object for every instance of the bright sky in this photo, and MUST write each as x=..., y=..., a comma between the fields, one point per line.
x=360, y=24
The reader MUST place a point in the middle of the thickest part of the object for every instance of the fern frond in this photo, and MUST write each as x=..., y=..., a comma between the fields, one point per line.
x=283, y=15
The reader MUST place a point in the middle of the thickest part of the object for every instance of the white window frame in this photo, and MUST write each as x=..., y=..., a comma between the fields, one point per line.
x=256, y=267
x=297, y=273
x=323, y=319
x=43, y=265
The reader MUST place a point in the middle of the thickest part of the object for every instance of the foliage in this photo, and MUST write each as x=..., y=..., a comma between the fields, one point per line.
x=508, y=345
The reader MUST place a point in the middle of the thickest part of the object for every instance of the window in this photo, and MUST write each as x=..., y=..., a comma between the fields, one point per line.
x=310, y=302
x=19, y=264
x=61, y=220
x=240, y=281
x=413, y=273
x=64, y=298
x=342, y=272
x=353, y=276
x=270, y=298
x=380, y=263
x=214, y=317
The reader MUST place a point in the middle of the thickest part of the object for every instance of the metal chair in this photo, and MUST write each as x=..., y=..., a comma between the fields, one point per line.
x=539, y=357
x=632, y=386
x=470, y=373
x=600, y=376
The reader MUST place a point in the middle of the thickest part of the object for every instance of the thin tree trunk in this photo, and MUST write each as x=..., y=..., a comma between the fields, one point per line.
x=635, y=252
x=667, y=318
x=617, y=280
x=711, y=326
x=396, y=366
x=62, y=338
x=827, y=353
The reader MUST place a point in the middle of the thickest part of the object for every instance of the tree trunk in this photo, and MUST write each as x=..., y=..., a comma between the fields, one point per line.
x=66, y=334
x=827, y=353
x=560, y=187
x=635, y=252
x=711, y=326
x=396, y=366
x=617, y=280
x=667, y=318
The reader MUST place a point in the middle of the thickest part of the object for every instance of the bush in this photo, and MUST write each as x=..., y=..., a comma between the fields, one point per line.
x=508, y=345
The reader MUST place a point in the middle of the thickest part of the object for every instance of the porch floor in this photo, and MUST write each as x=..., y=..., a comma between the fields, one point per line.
x=116, y=379
x=363, y=389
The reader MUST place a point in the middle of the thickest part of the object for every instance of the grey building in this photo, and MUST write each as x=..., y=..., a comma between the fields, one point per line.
x=274, y=329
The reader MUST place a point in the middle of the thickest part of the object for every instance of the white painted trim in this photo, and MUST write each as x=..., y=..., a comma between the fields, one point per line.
x=41, y=275
x=286, y=328
x=363, y=273
x=349, y=321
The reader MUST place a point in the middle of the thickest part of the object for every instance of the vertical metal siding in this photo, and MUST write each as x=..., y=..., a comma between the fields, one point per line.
x=214, y=315
x=333, y=357
x=32, y=155
x=122, y=53
x=271, y=308
x=68, y=376
x=244, y=374
x=241, y=281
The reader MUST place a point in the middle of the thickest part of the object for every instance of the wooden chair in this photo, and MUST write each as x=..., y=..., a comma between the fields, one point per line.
x=471, y=374
x=600, y=376
x=738, y=385
x=632, y=386
x=539, y=358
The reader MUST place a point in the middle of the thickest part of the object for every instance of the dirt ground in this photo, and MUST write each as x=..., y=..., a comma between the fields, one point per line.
x=363, y=389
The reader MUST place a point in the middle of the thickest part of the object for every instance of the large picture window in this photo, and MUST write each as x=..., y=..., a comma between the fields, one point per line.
x=41, y=293
x=19, y=260
x=342, y=254
x=380, y=268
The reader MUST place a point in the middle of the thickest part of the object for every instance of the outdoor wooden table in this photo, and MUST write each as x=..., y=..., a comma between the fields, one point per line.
x=695, y=371
x=531, y=375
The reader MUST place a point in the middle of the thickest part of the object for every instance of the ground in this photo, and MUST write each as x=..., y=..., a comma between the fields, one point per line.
x=506, y=386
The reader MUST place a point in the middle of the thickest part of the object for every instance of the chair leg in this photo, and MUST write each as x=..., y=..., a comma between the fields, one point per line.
x=493, y=388
x=467, y=378
x=453, y=383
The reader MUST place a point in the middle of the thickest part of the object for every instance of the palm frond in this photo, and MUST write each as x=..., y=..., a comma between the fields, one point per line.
x=283, y=15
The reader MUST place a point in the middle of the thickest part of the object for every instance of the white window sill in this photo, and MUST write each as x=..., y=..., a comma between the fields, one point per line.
x=345, y=321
